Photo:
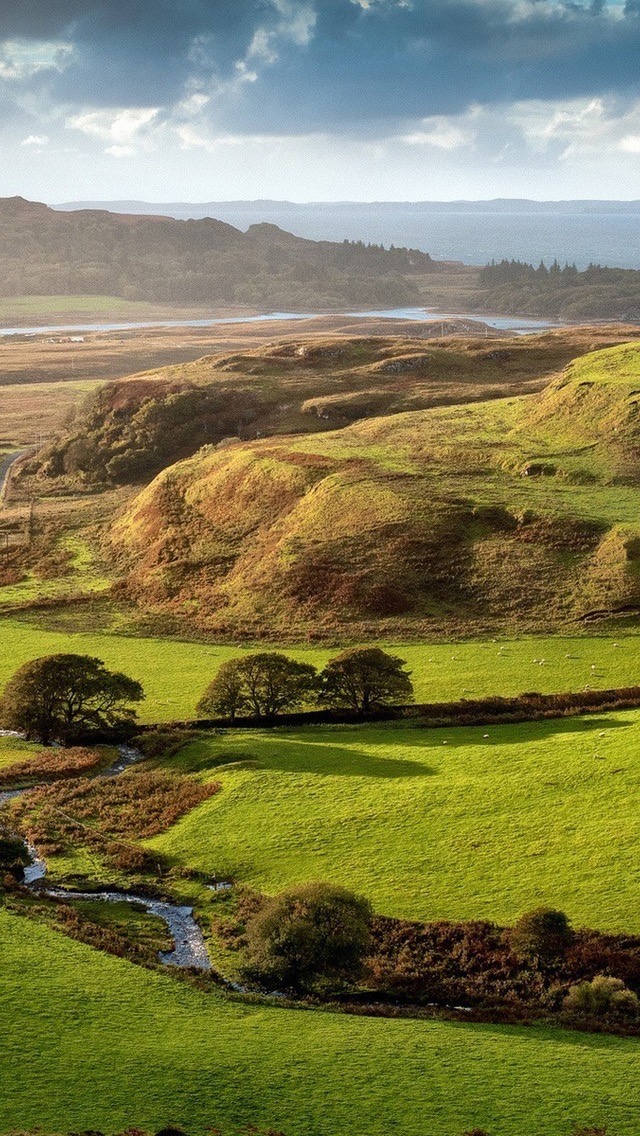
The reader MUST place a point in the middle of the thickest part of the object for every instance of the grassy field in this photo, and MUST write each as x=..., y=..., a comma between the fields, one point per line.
x=45, y=308
x=35, y=411
x=430, y=824
x=100, y=1044
x=174, y=673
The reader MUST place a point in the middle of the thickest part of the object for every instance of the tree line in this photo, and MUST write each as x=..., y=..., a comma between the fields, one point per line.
x=596, y=292
x=263, y=685
x=68, y=698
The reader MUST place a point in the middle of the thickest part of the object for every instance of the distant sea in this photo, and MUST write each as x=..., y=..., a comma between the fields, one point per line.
x=605, y=233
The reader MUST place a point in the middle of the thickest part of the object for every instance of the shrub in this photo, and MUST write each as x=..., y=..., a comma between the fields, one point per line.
x=308, y=934
x=163, y=743
x=51, y=765
x=543, y=935
x=108, y=813
x=602, y=996
x=13, y=856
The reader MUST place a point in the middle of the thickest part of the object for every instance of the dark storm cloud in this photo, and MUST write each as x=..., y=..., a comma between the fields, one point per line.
x=361, y=66
x=137, y=51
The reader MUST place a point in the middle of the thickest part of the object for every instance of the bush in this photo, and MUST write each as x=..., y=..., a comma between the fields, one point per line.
x=602, y=996
x=163, y=743
x=309, y=934
x=52, y=765
x=13, y=856
x=543, y=935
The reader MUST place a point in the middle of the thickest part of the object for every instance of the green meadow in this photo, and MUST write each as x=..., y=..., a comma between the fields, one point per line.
x=429, y=824
x=90, y=1041
x=174, y=673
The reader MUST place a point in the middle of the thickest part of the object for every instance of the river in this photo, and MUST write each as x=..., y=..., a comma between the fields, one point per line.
x=421, y=315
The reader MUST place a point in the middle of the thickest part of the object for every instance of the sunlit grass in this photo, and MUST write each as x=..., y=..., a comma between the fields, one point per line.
x=467, y=823
x=174, y=673
x=92, y=1042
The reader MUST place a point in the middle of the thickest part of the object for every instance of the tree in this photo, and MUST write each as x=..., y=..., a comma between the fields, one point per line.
x=64, y=698
x=308, y=933
x=265, y=684
x=543, y=934
x=603, y=995
x=365, y=679
x=225, y=695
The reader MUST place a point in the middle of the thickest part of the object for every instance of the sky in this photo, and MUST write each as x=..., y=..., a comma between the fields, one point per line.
x=319, y=100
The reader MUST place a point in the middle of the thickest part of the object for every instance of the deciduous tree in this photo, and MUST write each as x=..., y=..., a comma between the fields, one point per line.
x=226, y=694
x=543, y=934
x=266, y=684
x=65, y=698
x=365, y=679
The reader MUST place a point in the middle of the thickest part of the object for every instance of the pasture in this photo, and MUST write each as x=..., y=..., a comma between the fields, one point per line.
x=174, y=673
x=101, y=1044
x=467, y=823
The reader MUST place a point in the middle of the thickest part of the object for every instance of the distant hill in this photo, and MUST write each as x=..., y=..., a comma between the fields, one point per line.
x=515, y=514
x=89, y=252
x=208, y=261
x=393, y=208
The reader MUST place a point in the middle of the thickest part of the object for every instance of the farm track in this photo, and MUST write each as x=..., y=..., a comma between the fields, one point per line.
x=5, y=469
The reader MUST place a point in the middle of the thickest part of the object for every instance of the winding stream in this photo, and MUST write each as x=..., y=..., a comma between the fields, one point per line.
x=189, y=947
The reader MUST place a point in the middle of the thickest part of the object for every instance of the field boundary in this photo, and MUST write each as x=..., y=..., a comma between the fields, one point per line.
x=528, y=707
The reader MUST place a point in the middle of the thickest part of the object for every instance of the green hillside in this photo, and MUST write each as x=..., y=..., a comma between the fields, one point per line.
x=92, y=1042
x=467, y=823
x=510, y=514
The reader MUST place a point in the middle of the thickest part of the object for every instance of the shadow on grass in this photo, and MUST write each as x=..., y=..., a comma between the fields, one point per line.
x=504, y=733
x=542, y=1033
x=293, y=752
x=319, y=750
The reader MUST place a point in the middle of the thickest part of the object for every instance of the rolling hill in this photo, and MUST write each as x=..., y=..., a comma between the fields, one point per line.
x=458, y=823
x=518, y=513
x=127, y=431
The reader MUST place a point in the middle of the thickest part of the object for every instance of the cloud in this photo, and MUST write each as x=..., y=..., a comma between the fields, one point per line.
x=438, y=132
x=287, y=66
x=272, y=89
x=123, y=128
x=22, y=61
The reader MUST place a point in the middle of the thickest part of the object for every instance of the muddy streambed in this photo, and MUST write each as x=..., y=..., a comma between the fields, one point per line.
x=189, y=947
